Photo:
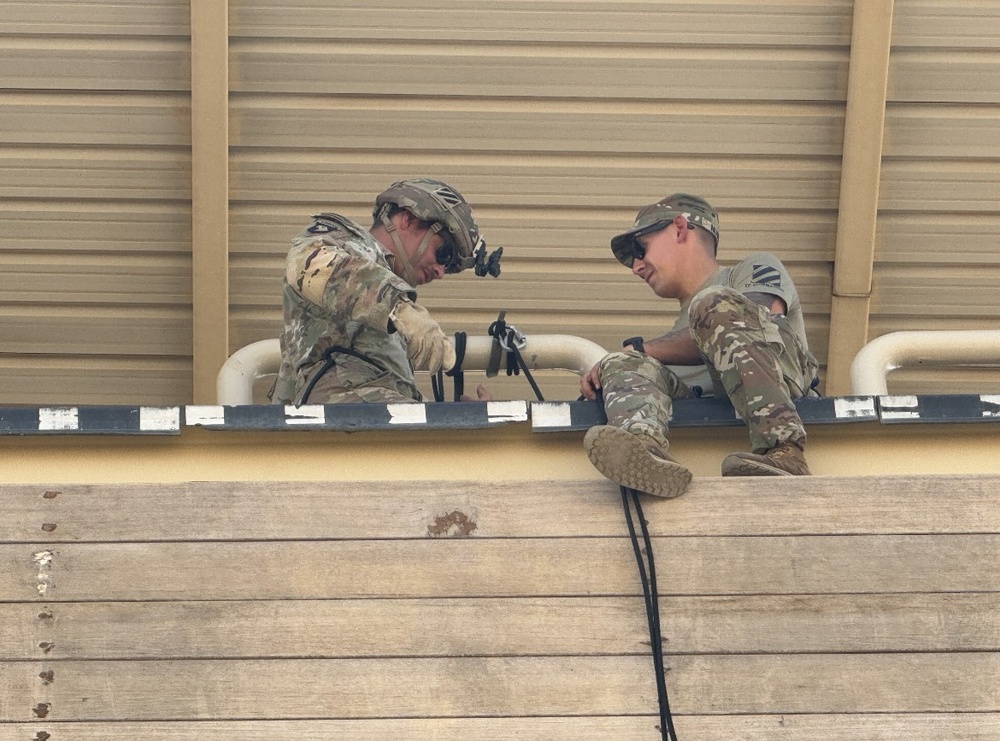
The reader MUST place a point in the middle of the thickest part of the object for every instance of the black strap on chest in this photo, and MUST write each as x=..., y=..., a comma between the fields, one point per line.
x=328, y=363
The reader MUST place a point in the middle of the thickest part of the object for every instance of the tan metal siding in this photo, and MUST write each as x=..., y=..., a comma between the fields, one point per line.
x=95, y=180
x=556, y=119
x=937, y=258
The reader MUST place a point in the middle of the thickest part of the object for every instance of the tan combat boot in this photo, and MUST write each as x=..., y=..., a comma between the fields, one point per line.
x=635, y=461
x=786, y=459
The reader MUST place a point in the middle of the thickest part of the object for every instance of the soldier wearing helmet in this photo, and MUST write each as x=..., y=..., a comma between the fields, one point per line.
x=740, y=333
x=352, y=330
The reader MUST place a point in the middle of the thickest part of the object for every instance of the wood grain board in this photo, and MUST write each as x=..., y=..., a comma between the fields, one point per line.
x=804, y=608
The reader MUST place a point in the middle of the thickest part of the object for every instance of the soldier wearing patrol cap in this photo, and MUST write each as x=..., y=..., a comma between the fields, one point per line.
x=352, y=330
x=740, y=333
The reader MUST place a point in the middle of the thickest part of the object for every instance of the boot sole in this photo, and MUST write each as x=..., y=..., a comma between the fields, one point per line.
x=734, y=465
x=623, y=458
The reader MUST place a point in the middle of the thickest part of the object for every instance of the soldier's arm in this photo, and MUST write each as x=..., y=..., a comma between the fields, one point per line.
x=763, y=279
x=774, y=304
x=346, y=284
x=674, y=348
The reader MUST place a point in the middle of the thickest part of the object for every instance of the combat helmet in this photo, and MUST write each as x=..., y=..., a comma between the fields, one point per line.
x=436, y=201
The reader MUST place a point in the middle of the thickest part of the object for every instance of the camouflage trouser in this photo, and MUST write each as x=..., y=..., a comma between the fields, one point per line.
x=753, y=357
x=352, y=382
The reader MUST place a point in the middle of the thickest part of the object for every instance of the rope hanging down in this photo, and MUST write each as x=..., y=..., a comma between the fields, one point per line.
x=650, y=594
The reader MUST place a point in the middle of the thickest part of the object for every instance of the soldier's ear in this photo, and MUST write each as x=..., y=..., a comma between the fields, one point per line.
x=407, y=220
x=681, y=225
x=403, y=219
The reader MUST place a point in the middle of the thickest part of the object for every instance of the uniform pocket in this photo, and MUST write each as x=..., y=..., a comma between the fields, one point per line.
x=770, y=330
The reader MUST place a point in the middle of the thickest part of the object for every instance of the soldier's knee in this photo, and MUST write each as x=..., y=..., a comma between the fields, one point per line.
x=716, y=310
x=629, y=361
x=619, y=361
x=712, y=303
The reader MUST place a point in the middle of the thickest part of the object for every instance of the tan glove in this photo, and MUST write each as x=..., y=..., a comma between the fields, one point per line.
x=427, y=346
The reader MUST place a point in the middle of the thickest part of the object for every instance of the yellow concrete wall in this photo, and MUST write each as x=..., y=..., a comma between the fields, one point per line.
x=506, y=454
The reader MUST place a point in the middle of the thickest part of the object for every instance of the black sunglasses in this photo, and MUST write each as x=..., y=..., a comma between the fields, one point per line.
x=638, y=251
x=446, y=256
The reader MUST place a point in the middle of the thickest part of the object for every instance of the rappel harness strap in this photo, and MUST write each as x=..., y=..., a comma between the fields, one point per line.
x=647, y=574
x=328, y=363
x=506, y=338
x=437, y=379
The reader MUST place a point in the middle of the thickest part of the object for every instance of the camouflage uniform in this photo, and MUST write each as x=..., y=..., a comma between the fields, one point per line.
x=760, y=361
x=338, y=291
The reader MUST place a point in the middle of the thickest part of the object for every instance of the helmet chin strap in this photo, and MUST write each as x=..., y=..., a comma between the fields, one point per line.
x=409, y=274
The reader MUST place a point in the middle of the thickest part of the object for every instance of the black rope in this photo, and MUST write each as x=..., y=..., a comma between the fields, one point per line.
x=650, y=594
x=515, y=361
x=527, y=373
x=457, y=373
x=437, y=385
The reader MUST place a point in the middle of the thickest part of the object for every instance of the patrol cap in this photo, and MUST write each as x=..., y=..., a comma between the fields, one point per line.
x=658, y=215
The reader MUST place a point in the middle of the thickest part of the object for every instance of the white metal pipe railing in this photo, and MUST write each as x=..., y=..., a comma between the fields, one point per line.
x=247, y=365
x=930, y=347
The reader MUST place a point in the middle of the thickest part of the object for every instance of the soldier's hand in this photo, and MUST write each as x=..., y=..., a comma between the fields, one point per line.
x=590, y=384
x=482, y=394
x=427, y=346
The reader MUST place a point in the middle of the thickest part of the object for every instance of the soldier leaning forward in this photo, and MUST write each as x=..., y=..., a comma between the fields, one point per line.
x=352, y=330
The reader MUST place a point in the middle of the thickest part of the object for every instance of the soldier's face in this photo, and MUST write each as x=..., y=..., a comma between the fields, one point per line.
x=659, y=265
x=425, y=265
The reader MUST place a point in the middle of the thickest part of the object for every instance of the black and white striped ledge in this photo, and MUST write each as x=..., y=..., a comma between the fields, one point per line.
x=939, y=409
x=90, y=420
x=580, y=415
x=555, y=416
x=355, y=417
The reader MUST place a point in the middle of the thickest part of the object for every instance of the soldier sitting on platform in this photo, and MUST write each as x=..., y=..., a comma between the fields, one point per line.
x=743, y=323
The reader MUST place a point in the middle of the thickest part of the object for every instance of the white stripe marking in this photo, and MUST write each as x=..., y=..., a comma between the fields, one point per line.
x=551, y=414
x=64, y=418
x=159, y=418
x=205, y=415
x=507, y=411
x=407, y=414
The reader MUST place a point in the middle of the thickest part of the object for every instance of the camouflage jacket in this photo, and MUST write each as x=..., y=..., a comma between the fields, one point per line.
x=339, y=289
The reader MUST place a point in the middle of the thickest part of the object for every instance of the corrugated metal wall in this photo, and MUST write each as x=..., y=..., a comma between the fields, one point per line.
x=938, y=249
x=556, y=119
x=95, y=218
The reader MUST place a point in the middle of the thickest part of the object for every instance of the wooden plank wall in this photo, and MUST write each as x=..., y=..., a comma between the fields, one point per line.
x=819, y=609
x=556, y=119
